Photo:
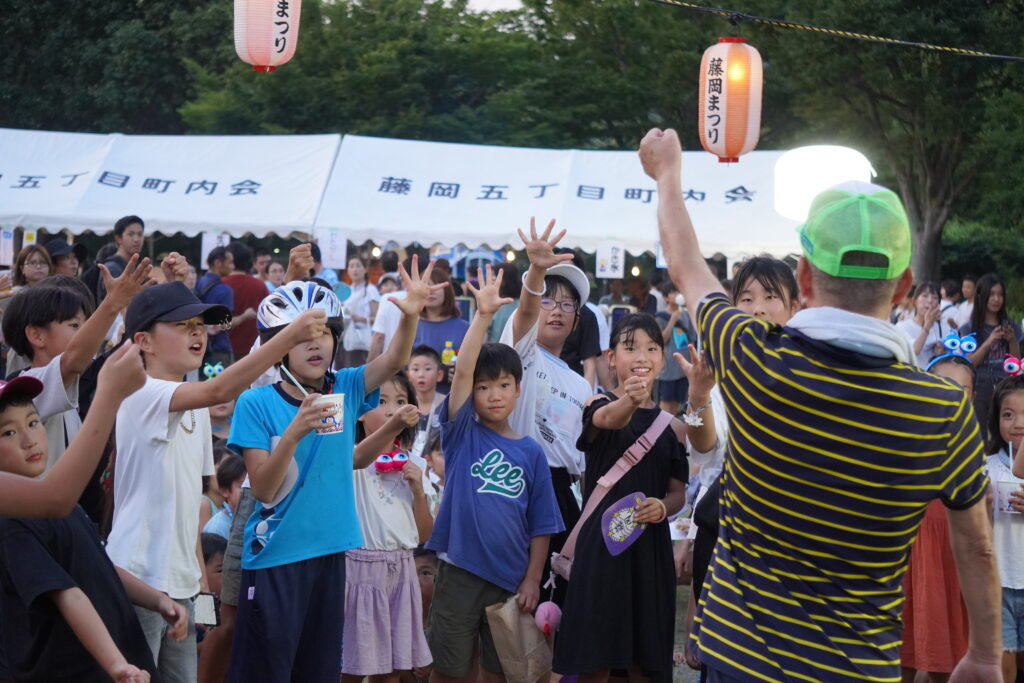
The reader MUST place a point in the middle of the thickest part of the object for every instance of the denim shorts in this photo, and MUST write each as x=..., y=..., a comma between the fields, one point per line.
x=1013, y=619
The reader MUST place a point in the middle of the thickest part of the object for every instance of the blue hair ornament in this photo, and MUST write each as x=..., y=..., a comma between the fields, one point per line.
x=955, y=345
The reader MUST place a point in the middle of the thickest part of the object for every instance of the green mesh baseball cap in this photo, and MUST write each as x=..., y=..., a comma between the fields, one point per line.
x=857, y=217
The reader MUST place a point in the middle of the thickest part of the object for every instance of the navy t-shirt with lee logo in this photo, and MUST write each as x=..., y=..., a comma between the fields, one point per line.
x=501, y=489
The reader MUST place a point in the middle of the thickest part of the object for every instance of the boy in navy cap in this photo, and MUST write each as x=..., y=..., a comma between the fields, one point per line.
x=164, y=449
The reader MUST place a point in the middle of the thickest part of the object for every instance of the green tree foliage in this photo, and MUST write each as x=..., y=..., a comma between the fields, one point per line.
x=106, y=66
x=916, y=114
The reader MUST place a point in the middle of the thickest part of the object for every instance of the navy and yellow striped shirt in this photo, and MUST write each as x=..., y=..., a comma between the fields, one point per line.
x=832, y=459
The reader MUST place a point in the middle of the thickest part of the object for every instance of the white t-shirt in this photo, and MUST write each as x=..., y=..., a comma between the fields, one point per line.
x=358, y=302
x=57, y=407
x=550, y=405
x=1007, y=527
x=711, y=461
x=388, y=318
x=910, y=329
x=157, y=488
x=384, y=504
x=963, y=312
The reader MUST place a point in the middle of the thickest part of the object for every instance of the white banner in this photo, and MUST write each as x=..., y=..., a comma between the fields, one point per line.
x=433, y=192
x=212, y=240
x=258, y=184
x=333, y=248
x=385, y=190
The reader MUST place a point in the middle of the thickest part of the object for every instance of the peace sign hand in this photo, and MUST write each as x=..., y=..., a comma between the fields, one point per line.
x=541, y=250
x=488, y=296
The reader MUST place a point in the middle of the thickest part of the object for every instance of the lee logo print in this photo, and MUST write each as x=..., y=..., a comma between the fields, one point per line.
x=498, y=476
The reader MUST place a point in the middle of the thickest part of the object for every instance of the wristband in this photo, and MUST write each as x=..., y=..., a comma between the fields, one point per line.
x=527, y=288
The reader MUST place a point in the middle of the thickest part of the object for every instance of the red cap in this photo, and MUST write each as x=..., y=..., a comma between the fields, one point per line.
x=28, y=387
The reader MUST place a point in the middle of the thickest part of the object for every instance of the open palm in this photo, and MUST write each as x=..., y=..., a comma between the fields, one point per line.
x=488, y=296
x=417, y=287
x=541, y=249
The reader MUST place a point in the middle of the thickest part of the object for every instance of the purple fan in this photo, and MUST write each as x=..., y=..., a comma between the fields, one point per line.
x=617, y=525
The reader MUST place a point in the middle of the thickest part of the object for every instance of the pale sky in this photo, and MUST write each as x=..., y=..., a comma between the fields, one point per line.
x=494, y=4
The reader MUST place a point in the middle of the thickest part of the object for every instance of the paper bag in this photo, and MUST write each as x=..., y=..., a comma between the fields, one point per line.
x=524, y=654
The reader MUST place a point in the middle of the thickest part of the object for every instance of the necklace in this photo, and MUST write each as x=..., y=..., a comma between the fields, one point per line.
x=192, y=419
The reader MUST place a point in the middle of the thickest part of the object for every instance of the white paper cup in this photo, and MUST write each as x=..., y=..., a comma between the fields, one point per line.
x=332, y=424
x=1003, y=491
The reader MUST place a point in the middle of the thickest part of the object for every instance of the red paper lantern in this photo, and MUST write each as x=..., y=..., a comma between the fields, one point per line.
x=266, y=32
x=731, y=79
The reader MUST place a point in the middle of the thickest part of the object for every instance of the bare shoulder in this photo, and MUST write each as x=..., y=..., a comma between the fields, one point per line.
x=679, y=428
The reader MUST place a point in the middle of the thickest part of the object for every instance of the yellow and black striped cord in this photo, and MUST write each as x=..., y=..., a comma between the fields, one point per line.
x=736, y=18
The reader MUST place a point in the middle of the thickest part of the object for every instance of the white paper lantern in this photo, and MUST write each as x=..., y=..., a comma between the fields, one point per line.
x=729, y=107
x=266, y=32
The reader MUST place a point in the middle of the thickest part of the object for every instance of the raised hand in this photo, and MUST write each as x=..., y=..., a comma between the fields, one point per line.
x=488, y=296
x=541, y=249
x=300, y=263
x=175, y=267
x=697, y=372
x=123, y=372
x=417, y=287
x=661, y=154
x=309, y=326
x=132, y=280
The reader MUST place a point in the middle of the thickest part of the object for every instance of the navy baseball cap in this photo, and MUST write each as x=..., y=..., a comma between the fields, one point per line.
x=169, y=303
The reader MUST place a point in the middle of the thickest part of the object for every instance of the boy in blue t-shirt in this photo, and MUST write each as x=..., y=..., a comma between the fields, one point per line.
x=499, y=508
x=291, y=607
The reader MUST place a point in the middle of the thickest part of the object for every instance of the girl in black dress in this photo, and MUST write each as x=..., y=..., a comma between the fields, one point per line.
x=619, y=611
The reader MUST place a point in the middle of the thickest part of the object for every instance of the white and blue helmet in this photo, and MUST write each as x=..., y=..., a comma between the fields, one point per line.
x=290, y=300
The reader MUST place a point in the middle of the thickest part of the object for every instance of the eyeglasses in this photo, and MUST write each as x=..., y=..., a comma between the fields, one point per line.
x=566, y=306
x=37, y=264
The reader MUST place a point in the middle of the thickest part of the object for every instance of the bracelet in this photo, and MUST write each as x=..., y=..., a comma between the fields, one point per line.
x=664, y=511
x=527, y=288
x=694, y=419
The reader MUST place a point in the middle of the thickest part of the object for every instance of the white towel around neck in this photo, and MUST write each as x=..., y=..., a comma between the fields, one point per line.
x=854, y=332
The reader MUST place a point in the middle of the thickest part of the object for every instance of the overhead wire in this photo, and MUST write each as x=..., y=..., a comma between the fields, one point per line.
x=737, y=18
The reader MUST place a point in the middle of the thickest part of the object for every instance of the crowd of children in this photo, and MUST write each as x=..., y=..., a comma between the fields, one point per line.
x=355, y=516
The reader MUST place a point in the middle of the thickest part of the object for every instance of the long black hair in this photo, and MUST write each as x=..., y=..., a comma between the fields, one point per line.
x=982, y=294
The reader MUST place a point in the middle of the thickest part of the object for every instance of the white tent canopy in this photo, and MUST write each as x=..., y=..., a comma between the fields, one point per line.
x=385, y=190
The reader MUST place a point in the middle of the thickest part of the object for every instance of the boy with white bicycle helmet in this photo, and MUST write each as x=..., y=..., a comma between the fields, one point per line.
x=291, y=603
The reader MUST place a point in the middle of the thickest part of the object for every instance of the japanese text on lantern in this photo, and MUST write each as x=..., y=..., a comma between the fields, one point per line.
x=282, y=26
x=714, y=94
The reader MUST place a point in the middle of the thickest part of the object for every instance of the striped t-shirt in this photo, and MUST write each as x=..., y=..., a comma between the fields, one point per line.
x=832, y=459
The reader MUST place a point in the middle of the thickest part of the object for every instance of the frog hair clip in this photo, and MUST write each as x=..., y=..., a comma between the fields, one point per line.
x=955, y=345
x=211, y=370
x=1013, y=366
x=390, y=462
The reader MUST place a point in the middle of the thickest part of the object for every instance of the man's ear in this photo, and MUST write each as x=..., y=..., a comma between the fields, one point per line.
x=35, y=335
x=441, y=374
x=519, y=388
x=804, y=279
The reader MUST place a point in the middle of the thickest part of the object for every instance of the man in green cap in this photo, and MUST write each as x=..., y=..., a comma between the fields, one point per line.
x=837, y=444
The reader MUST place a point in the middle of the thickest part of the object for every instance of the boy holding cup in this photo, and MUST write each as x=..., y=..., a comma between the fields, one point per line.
x=298, y=450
